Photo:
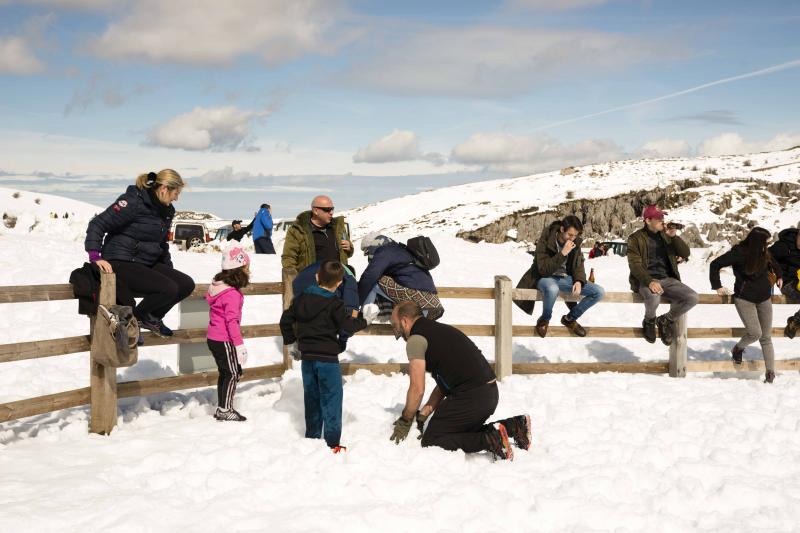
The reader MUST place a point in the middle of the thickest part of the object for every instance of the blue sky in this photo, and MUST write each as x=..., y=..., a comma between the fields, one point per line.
x=267, y=101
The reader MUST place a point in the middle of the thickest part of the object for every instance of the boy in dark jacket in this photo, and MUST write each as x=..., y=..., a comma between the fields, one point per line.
x=314, y=321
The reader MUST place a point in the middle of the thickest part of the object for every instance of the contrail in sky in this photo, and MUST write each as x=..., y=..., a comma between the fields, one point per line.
x=762, y=72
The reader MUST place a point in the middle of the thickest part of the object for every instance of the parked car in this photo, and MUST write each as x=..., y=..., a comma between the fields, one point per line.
x=616, y=247
x=223, y=232
x=188, y=233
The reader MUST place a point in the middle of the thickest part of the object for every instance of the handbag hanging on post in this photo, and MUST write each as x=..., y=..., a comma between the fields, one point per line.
x=115, y=336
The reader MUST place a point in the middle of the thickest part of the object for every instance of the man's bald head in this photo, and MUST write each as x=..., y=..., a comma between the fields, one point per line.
x=321, y=210
x=321, y=201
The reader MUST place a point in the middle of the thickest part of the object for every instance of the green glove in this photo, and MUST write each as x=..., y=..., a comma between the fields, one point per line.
x=421, y=423
x=401, y=429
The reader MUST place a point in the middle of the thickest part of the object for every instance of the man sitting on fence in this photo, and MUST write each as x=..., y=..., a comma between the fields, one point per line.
x=465, y=394
x=653, y=256
x=786, y=251
x=392, y=274
x=558, y=267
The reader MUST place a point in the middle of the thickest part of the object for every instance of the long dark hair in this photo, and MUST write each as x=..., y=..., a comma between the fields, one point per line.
x=754, y=247
x=235, y=277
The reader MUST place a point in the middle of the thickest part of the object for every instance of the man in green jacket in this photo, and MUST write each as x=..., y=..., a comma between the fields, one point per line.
x=316, y=236
x=558, y=267
x=653, y=256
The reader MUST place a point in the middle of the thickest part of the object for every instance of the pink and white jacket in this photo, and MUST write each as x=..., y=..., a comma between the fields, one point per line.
x=225, y=314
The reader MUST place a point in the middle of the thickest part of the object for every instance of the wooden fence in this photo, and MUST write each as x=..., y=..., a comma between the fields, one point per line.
x=103, y=392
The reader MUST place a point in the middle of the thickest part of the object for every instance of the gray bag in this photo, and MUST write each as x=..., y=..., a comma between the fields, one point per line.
x=115, y=336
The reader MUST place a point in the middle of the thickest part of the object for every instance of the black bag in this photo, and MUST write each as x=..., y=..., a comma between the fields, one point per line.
x=423, y=251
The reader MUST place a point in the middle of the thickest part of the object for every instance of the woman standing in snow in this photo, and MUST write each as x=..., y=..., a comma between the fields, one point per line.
x=224, y=337
x=130, y=239
x=755, y=271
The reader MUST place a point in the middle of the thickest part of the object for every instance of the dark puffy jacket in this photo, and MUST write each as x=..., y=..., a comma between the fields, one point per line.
x=395, y=261
x=314, y=320
x=751, y=287
x=134, y=230
x=787, y=255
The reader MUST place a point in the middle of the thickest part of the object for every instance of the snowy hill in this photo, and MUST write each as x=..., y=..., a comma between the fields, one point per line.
x=610, y=451
x=710, y=191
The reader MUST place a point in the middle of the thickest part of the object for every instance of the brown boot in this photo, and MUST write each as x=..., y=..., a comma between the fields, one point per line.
x=736, y=355
x=792, y=325
x=541, y=327
x=573, y=326
x=770, y=377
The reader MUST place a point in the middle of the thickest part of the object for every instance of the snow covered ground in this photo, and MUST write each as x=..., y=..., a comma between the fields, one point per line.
x=611, y=452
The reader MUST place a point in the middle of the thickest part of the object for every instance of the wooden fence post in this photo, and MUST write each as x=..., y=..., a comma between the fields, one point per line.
x=502, y=327
x=193, y=358
x=103, y=379
x=287, y=278
x=678, y=350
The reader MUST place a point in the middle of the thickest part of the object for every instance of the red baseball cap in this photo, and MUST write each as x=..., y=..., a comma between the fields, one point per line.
x=652, y=211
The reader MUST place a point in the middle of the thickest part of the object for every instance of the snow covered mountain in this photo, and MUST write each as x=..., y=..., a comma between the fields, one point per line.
x=718, y=195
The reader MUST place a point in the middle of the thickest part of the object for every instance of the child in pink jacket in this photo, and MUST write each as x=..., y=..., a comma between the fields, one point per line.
x=224, y=337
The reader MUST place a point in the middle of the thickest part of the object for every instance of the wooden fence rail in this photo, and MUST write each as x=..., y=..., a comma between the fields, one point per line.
x=103, y=392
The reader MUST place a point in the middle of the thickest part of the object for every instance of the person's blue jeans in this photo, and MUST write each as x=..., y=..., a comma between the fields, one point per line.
x=373, y=294
x=322, y=397
x=551, y=286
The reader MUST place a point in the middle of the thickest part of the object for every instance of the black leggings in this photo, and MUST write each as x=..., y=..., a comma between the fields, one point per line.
x=229, y=371
x=160, y=286
x=459, y=421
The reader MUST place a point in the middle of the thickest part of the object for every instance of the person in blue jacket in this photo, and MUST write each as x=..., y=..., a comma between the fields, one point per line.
x=392, y=274
x=262, y=231
x=130, y=239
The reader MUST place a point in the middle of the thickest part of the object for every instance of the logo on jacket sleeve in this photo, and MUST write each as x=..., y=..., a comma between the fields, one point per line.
x=123, y=203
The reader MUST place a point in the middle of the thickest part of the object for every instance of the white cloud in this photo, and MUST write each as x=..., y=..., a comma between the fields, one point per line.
x=71, y=4
x=207, y=128
x=16, y=57
x=665, y=148
x=16, y=51
x=399, y=145
x=496, y=61
x=555, y=5
x=210, y=32
x=519, y=153
x=733, y=143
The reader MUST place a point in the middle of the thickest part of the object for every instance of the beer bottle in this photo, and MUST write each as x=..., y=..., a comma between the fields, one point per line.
x=591, y=276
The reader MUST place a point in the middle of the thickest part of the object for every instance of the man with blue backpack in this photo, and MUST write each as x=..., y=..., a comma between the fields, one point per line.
x=262, y=231
x=400, y=273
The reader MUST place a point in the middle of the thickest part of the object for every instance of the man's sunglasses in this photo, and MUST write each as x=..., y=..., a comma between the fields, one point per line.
x=326, y=209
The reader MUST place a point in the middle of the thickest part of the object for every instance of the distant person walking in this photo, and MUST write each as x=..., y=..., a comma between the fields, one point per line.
x=755, y=270
x=130, y=239
x=262, y=230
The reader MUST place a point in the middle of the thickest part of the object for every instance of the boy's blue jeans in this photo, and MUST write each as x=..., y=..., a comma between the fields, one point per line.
x=551, y=286
x=322, y=396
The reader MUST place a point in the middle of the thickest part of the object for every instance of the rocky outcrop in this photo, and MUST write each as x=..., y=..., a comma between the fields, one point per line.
x=619, y=216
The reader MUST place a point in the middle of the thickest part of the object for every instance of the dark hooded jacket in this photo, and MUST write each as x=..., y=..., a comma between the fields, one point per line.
x=395, y=261
x=787, y=255
x=547, y=259
x=134, y=228
x=314, y=320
